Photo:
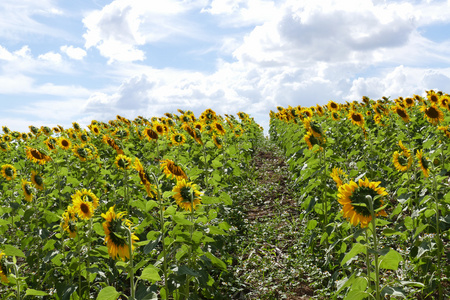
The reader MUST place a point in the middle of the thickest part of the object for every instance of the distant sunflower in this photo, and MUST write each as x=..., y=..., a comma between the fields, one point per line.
x=433, y=97
x=445, y=102
x=172, y=170
x=402, y=113
x=199, y=126
x=64, y=143
x=238, y=131
x=37, y=156
x=217, y=141
x=159, y=128
x=145, y=179
x=409, y=102
x=187, y=195
x=9, y=172
x=123, y=162
x=177, y=139
x=94, y=129
x=218, y=128
x=27, y=190
x=423, y=163
x=433, y=114
x=333, y=106
x=338, y=175
x=4, y=146
x=356, y=118
x=6, y=130
x=445, y=130
x=116, y=229
x=335, y=116
x=402, y=162
x=320, y=110
x=82, y=152
x=150, y=134
x=111, y=142
x=76, y=126
x=311, y=140
x=7, y=138
x=352, y=196
x=37, y=180
x=83, y=208
x=307, y=112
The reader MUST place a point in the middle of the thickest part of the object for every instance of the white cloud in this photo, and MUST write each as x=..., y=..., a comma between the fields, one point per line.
x=5, y=54
x=73, y=52
x=51, y=57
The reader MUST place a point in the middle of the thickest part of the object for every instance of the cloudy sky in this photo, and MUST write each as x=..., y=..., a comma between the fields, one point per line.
x=63, y=61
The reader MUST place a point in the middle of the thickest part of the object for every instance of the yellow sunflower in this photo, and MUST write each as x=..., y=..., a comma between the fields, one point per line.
x=172, y=170
x=335, y=116
x=4, y=146
x=3, y=271
x=83, y=208
x=177, y=139
x=423, y=163
x=145, y=179
x=338, y=174
x=150, y=134
x=217, y=141
x=123, y=162
x=353, y=197
x=433, y=114
x=311, y=140
x=27, y=190
x=9, y=172
x=116, y=229
x=87, y=196
x=401, y=112
x=37, y=156
x=187, y=195
x=402, y=161
x=94, y=129
x=356, y=118
x=333, y=106
x=37, y=180
x=69, y=225
x=82, y=152
x=433, y=97
x=111, y=142
x=409, y=102
x=218, y=128
x=64, y=143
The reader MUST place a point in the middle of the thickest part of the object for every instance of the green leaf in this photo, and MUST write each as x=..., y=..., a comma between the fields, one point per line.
x=181, y=220
x=393, y=291
x=215, y=261
x=150, y=205
x=185, y=270
x=151, y=273
x=98, y=228
x=108, y=293
x=226, y=198
x=31, y=292
x=9, y=250
x=356, y=249
x=390, y=260
x=216, y=164
x=312, y=224
x=50, y=245
x=210, y=200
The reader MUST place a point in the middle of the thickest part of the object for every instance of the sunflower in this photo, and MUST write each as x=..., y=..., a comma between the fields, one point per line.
x=116, y=230
x=356, y=118
x=87, y=196
x=83, y=207
x=353, y=197
x=7, y=138
x=83, y=136
x=172, y=170
x=433, y=114
x=3, y=270
x=401, y=112
x=433, y=97
x=82, y=152
x=27, y=190
x=445, y=101
x=409, y=102
x=402, y=161
x=111, y=142
x=209, y=115
x=307, y=112
x=76, y=126
x=37, y=156
x=159, y=128
x=6, y=130
x=335, y=116
x=423, y=163
x=145, y=179
x=338, y=174
x=123, y=162
x=311, y=140
x=238, y=131
x=177, y=139
x=150, y=134
x=242, y=115
x=312, y=126
x=4, y=146
x=34, y=129
x=69, y=225
x=333, y=106
x=218, y=128
x=94, y=129
x=46, y=130
x=9, y=172
x=445, y=130
x=199, y=126
x=64, y=143
x=187, y=195
x=37, y=180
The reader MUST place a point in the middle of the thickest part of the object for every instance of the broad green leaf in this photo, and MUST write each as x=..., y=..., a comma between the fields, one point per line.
x=32, y=292
x=9, y=250
x=180, y=220
x=151, y=273
x=312, y=224
x=108, y=293
x=356, y=249
x=215, y=261
x=390, y=260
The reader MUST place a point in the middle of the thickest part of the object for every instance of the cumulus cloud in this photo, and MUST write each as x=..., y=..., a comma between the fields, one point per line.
x=73, y=52
x=51, y=57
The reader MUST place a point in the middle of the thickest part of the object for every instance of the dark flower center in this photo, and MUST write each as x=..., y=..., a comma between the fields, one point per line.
x=432, y=112
x=402, y=113
x=356, y=117
x=84, y=208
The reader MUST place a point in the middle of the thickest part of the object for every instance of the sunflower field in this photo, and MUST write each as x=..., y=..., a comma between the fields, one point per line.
x=373, y=185
x=124, y=209
x=341, y=201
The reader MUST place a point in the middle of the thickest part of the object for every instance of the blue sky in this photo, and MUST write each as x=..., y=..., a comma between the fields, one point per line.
x=65, y=61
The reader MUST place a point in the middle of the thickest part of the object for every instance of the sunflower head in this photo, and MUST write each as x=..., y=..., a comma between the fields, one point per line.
x=4, y=146
x=83, y=208
x=172, y=170
x=9, y=172
x=37, y=180
x=68, y=224
x=177, y=139
x=333, y=106
x=423, y=163
x=217, y=141
x=64, y=143
x=401, y=112
x=27, y=190
x=433, y=114
x=123, y=162
x=338, y=176
x=356, y=118
x=187, y=195
x=37, y=156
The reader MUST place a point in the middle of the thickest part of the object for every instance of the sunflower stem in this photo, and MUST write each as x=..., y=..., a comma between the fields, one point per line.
x=438, y=235
x=375, y=248
x=368, y=257
x=206, y=166
x=130, y=265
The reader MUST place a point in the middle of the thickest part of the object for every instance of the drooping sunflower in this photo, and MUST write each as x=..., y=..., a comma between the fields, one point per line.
x=356, y=118
x=27, y=190
x=311, y=140
x=238, y=131
x=123, y=162
x=4, y=146
x=187, y=195
x=116, y=229
x=111, y=142
x=314, y=127
x=401, y=112
x=423, y=163
x=3, y=270
x=433, y=114
x=37, y=156
x=87, y=196
x=9, y=172
x=69, y=225
x=150, y=134
x=172, y=170
x=64, y=143
x=145, y=179
x=338, y=175
x=83, y=207
x=37, y=180
x=177, y=139
x=217, y=141
x=402, y=161
x=353, y=197
x=76, y=126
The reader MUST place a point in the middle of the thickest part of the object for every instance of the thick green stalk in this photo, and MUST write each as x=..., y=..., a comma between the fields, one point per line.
x=368, y=258
x=438, y=235
x=130, y=266
x=375, y=248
